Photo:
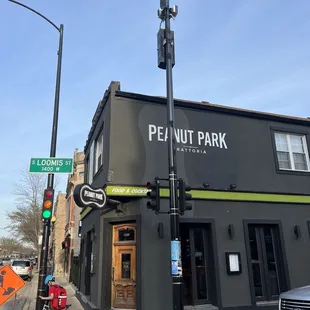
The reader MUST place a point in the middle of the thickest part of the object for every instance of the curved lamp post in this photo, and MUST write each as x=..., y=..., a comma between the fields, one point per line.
x=50, y=181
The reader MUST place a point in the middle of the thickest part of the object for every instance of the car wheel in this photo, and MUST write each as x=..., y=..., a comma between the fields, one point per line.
x=29, y=279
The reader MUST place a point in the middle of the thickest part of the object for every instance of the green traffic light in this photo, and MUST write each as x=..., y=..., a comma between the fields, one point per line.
x=46, y=214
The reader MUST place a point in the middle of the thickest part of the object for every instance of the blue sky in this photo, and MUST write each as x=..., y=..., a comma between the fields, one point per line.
x=246, y=53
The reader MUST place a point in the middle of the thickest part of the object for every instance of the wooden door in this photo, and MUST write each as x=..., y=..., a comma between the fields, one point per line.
x=124, y=267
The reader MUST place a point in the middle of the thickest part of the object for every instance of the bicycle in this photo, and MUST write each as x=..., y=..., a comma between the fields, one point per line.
x=46, y=306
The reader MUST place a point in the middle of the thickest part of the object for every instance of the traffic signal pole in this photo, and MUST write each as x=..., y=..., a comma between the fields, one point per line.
x=176, y=263
x=50, y=180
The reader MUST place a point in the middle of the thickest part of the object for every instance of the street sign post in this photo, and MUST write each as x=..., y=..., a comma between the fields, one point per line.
x=10, y=284
x=51, y=165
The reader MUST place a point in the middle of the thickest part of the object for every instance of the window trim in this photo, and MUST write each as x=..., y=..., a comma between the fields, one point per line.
x=291, y=132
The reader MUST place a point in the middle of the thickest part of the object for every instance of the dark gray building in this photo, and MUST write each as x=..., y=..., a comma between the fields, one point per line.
x=247, y=236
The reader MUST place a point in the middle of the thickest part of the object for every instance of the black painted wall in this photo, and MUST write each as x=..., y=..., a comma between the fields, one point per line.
x=154, y=269
x=248, y=161
x=234, y=290
x=92, y=222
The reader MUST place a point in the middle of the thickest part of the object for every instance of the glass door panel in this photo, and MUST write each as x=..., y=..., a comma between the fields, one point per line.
x=267, y=265
x=271, y=270
x=186, y=264
x=197, y=256
x=256, y=261
x=200, y=263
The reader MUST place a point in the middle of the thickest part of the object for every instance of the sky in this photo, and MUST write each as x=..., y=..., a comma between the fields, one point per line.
x=244, y=53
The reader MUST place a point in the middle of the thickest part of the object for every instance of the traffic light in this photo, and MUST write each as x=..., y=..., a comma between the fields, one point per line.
x=184, y=197
x=47, y=210
x=153, y=195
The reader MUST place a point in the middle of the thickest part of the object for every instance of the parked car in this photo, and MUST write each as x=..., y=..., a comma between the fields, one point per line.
x=6, y=261
x=298, y=298
x=23, y=268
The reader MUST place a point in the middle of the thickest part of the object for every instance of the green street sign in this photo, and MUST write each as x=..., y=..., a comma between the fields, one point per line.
x=51, y=165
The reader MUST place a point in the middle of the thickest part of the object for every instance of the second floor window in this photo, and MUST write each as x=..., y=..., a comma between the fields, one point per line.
x=99, y=152
x=90, y=164
x=292, y=152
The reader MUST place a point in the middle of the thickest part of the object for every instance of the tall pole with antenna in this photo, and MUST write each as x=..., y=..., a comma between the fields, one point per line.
x=166, y=61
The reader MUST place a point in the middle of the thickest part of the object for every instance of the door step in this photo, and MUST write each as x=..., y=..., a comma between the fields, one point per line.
x=201, y=307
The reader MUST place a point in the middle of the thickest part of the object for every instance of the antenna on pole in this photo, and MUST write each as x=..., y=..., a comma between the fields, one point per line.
x=163, y=4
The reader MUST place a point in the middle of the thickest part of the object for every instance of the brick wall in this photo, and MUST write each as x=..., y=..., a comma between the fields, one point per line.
x=58, y=232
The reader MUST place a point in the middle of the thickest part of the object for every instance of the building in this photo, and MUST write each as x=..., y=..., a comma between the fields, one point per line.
x=247, y=235
x=72, y=240
x=58, y=226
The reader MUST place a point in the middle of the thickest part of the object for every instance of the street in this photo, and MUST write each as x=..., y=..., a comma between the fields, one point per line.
x=22, y=297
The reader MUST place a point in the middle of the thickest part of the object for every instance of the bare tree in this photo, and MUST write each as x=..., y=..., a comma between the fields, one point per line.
x=29, y=189
x=9, y=246
x=25, y=219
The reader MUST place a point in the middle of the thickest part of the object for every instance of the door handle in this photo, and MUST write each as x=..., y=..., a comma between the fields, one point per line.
x=113, y=269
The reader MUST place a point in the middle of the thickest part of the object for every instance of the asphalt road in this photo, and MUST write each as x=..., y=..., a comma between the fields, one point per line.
x=23, y=295
x=19, y=299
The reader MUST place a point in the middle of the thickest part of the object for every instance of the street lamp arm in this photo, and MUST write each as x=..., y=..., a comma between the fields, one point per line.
x=36, y=12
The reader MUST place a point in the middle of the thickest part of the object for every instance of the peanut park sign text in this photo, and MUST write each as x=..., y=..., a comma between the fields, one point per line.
x=188, y=140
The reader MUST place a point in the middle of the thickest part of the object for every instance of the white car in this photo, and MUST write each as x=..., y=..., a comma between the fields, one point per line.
x=23, y=268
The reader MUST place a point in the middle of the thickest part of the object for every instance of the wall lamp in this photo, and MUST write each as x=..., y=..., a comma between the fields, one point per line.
x=232, y=186
x=160, y=230
x=205, y=185
x=94, y=235
x=296, y=230
x=231, y=231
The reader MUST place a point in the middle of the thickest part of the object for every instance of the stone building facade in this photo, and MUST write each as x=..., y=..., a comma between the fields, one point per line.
x=72, y=220
x=58, y=226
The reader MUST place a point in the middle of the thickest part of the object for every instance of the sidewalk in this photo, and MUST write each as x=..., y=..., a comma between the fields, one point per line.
x=73, y=303
x=31, y=298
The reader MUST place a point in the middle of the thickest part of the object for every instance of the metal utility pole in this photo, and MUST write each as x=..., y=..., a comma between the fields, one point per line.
x=50, y=181
x=166, y=61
